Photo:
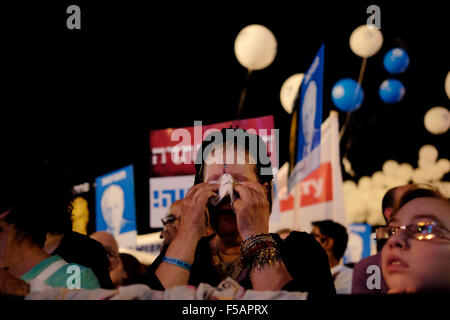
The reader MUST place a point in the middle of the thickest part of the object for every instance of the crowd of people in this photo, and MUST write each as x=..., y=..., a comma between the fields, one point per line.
x=218, y=232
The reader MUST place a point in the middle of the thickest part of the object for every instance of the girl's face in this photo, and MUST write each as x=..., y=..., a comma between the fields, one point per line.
x=420, y=264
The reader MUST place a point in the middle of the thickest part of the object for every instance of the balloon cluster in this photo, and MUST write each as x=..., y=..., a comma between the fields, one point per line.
x=395, y=61
x=347, y=95
x=363, y=199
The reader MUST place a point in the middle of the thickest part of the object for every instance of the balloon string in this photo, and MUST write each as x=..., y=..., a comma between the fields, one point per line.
x=361, y=72
x=243, y=95
x=347, y=120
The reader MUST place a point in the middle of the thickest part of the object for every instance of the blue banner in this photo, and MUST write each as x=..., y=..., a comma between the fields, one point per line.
x=359, y=242
x=115, y=206
x=309, y=121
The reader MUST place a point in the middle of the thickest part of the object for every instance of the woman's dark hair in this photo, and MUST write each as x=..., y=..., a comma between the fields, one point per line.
x=252, y=143
x=38, y=196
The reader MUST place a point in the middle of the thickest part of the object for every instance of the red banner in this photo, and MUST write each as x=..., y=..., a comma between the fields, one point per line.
x=316, y=188
x=174, y=151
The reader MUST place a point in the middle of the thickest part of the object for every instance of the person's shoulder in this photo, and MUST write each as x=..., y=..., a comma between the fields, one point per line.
x=205, y=240
x=299, y=236
x=299, y=239
x=84, y=241
x=373, y=259
x=347, y=271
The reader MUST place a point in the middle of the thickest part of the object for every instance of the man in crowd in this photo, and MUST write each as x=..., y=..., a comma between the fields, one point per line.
x=333, y=238
x=116, y=268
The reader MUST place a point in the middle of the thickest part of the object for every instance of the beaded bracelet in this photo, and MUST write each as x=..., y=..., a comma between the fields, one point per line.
x=178, y=263
x=259, y=250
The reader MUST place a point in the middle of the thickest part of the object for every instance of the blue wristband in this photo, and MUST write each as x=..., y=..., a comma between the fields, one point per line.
x=177, y=262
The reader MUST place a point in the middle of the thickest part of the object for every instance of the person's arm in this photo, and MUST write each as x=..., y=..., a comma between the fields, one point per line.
x=192, y=228
x=252, y=214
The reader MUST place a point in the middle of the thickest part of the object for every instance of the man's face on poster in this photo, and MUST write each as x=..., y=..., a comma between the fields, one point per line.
x=309, y=113
x=113, y=205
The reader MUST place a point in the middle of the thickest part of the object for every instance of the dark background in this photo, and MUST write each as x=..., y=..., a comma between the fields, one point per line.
x=88, y=98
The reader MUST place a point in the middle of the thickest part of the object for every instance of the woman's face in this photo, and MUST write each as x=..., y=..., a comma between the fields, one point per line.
x=222, y=217
x=421, y=264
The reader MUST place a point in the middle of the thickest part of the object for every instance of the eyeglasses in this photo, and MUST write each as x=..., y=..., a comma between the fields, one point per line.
x=420, y=231
x=168, y=220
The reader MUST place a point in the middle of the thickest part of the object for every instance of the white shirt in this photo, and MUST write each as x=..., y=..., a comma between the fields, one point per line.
x=342, y=276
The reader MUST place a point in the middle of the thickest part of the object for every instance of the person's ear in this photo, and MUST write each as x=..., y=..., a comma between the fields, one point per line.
x=387, y=214
x=268, y=186
x=327, y=243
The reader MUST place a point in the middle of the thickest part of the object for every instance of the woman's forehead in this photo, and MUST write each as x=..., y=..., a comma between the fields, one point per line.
x=229, y=153
x=423, y=207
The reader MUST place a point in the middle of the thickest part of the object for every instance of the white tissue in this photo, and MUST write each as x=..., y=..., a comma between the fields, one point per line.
x=226, y=182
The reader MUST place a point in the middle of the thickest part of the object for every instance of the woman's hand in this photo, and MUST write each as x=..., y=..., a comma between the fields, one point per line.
x=252, y=209
x=193, y=208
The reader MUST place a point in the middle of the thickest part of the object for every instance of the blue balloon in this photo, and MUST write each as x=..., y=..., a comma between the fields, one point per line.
x=347, y=95
x=391, y=91
x=396, y=61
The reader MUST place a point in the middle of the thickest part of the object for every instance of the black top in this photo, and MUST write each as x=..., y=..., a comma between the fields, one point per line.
x=302, y=255
x=87, y=252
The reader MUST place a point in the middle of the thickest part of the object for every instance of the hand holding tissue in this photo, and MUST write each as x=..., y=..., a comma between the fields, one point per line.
x=226, y=183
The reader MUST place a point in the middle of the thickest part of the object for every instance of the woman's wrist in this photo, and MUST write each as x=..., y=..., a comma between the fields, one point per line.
x=189, y=236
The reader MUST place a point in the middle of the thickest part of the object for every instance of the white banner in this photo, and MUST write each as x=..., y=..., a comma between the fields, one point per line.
x=163, y=192
x=320, y=194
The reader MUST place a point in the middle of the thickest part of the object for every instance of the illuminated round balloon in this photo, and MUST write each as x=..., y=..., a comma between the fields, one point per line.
x=405, y=171
x=289, y=91
x=396, y=61
x=378, y=178
x=429, y=153
x=390, y=168
x=391, y=91
x=437, y=120
x=255, y=47
x=443, y=166
x=447, y=84
x=365, y=183
x=347, y=94
x=366, y=42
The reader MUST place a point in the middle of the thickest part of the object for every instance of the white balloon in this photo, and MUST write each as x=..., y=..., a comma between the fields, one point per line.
x=420, y=176
x=356, y=212
x=378, y=178
x=375, y=217
x=366, y=42
x=289, y=91
x=425, y=164
x=405, y=171
x=255, y=47
x=444, y=188
x=437, y=120
x=349, y=186
x=434, y=173
x=391, y=182
x=428, y=153
x=447, y=84
x=365, y=183
x=443, y=166
x=390, y=168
